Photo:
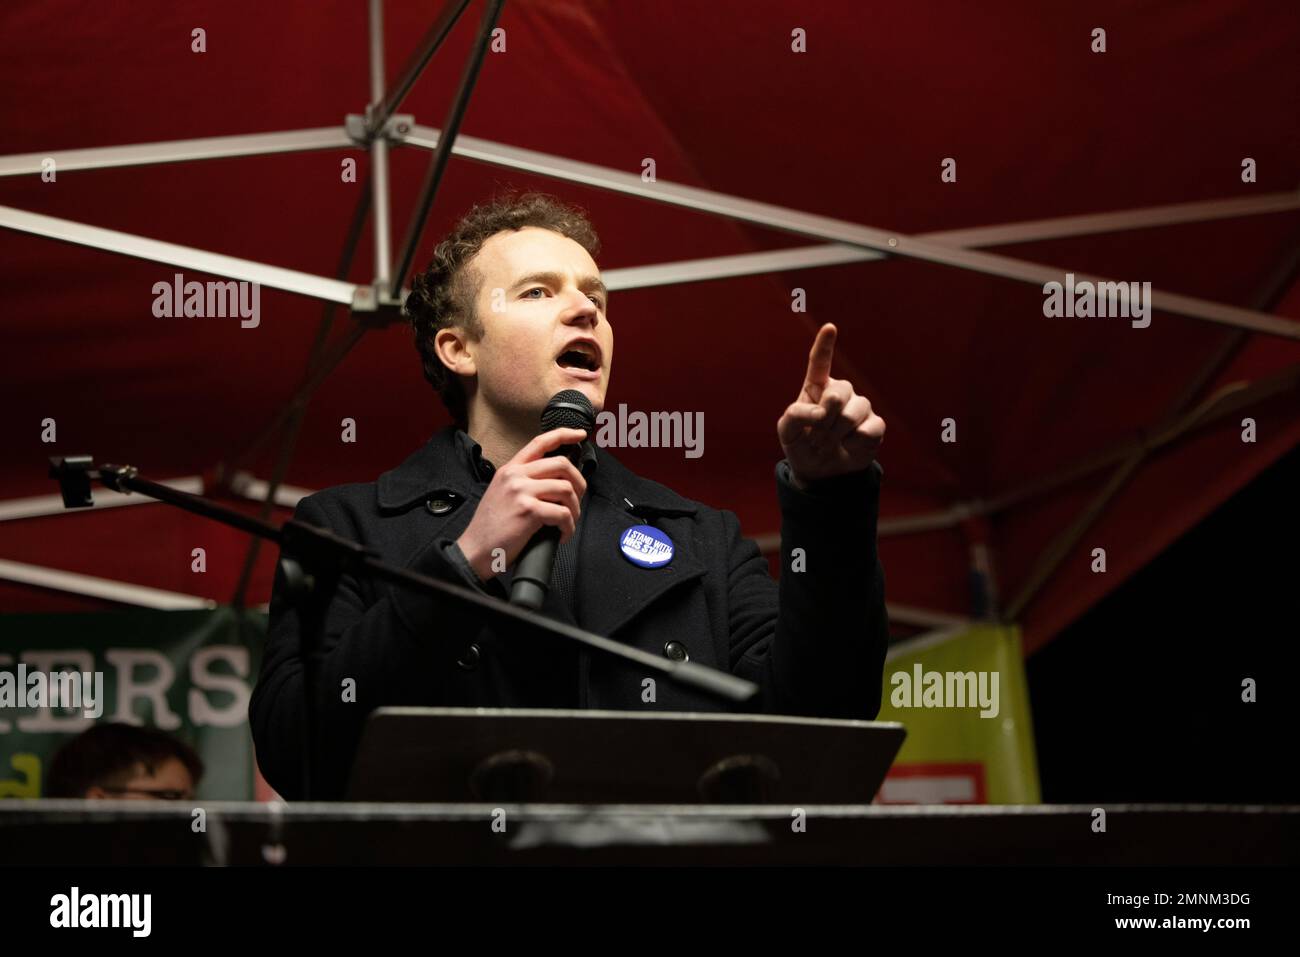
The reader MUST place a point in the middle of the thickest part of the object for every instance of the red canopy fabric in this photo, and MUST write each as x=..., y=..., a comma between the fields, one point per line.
x=855, y=128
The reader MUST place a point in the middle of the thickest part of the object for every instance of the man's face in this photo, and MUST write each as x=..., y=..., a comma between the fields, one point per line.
x=170, y=780
x=540, y=302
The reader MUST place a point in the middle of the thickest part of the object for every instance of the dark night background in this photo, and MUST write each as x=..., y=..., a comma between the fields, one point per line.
x=1140, y=700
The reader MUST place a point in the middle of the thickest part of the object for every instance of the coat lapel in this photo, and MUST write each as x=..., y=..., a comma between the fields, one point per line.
x=435, y=472
x=435, y=466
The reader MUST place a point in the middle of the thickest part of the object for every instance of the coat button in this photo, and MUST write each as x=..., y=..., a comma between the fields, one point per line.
x=676, y=651
x=441, y=503
x=469, y=659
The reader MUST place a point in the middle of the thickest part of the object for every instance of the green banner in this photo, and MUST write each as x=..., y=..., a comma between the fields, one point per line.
x=965, y=703
x=189, y=673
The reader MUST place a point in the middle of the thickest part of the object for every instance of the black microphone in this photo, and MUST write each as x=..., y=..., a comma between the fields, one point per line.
x=569, y=409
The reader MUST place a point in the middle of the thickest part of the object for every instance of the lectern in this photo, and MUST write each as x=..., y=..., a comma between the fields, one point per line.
x=516, y=755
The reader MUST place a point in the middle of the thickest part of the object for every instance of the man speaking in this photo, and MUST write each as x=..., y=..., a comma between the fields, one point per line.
x=510, y=312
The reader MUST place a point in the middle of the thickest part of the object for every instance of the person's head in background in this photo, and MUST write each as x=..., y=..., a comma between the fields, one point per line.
x=122, y=762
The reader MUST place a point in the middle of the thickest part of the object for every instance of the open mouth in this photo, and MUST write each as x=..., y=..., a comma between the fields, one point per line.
x=580, y=355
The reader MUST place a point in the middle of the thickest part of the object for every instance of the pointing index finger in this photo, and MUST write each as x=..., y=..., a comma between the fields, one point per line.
x=819, y=359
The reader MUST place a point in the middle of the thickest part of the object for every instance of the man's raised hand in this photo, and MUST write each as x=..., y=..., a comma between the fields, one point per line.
x=829, y=430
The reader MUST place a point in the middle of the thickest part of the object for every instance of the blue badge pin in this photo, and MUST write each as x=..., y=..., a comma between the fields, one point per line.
x=646, y=546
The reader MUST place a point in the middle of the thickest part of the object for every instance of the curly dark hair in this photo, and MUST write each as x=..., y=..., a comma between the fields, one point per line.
x=108, y=755
x=444, y=294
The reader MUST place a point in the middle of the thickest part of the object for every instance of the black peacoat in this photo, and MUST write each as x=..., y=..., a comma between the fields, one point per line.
x=814, y=643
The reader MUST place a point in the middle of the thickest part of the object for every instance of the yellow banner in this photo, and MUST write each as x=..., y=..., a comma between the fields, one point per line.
x=965, y=703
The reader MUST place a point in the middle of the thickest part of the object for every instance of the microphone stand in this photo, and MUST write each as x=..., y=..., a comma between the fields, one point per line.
x=312, y=558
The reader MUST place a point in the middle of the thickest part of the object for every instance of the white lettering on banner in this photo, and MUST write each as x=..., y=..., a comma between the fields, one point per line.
x=153, y=690
x=47, y=690
x=218, y=695
x=202, y=711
